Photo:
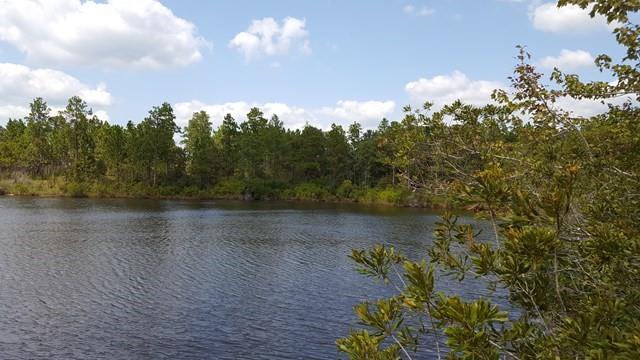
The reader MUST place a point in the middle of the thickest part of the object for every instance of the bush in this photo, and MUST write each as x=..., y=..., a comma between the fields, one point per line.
x=23, y=189
x=229, y=188
x=395, y=196
x=192, y=191
x=248, y=189
x=265, y=190
x=345, y=190
x=76, y=190
x=388, y=196
x=103, y=190
x=167, y=190
x=309, y=191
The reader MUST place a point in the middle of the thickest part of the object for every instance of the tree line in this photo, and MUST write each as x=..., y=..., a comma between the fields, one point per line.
x=257, y=157
x=80, y=148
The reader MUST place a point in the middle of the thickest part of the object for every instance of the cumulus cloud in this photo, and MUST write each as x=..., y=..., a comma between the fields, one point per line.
x=369, y=113
x=102, y=115
x=266, y=37
x=292, y=116
x=12, y=112
x=568, y=60
x=19, y=85
x=422, y=11
x=550, y=18
x=140, y=34
x=444, y=89
x=588, y=107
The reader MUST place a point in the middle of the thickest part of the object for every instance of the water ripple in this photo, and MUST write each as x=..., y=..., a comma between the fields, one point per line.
x=124, y=279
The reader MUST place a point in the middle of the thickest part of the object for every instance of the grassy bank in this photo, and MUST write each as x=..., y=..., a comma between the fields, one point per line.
x=228, y=189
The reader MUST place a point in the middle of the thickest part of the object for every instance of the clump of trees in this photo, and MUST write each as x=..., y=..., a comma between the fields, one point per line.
x=252, y=155
x=562, y=194
x=79, y=146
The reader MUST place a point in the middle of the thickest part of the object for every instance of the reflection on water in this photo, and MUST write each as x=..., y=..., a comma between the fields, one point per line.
x=142, y=279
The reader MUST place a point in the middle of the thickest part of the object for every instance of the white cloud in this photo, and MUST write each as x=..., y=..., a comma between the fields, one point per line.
x=409, y=9
x=423, y=11
x=98, y=96
x=584, y=107
x=266, y=37
x=12, y=112
x=570, y=18
x=444, y=89
x=293, y=117
x=568, y=60
x=140, y=34
x=19, y=85
x=369, y=113
x=588, y=107
x=102, y=115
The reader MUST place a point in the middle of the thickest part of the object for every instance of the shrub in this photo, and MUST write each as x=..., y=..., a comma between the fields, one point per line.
x=389, y=196
x=192, y=191
x=310, y=191
x=76, y=190
x=102, y=190
x=266, y=190
x=23, y=189
x=230, y=187
x=345, y=190
x=394, y=196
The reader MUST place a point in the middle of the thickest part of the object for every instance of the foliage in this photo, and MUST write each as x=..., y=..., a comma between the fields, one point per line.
x=230, y=187
x=345, y=190
x=309, y=191
x=257, y=158
x=560, y=193
x=200, y=148
x=77, y=190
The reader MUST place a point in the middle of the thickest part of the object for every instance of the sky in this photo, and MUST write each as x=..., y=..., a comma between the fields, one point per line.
x=311, y=62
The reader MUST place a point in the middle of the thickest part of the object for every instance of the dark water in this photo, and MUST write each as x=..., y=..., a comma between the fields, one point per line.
x=134, y=279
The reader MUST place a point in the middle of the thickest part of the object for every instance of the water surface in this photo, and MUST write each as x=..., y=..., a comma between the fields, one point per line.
x=144, y=279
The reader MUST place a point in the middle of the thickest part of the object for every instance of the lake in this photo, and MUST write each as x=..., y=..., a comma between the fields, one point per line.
x=147, y=279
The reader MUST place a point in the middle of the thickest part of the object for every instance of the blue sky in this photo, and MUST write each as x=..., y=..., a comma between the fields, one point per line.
x=314, y=62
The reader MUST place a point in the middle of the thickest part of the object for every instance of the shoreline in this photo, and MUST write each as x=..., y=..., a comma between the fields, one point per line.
x=366, y=197
x=435, y=207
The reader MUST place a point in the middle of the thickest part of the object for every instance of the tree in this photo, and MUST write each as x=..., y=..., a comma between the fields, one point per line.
x=82, y=126
x=111, y=149
x=156, y=146
x=310, y=156
x=12, y=144
x=560, y=193
x=275, y=149
x=338, y=155
x=200, y=149
x=227, y=141
x=38, y=149
x=252, y=144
